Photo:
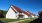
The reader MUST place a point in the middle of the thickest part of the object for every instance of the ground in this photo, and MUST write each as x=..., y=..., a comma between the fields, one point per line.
x=17, y=20
x=27, y=21
x=9, y=20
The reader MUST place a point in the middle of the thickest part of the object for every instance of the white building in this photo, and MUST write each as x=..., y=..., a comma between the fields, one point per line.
x=15, y=12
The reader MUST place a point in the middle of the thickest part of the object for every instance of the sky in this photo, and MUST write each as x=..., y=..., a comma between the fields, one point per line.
x=30, y=5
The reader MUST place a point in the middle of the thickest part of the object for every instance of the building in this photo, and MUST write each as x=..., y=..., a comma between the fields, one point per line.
x=15, y=13
x=33, y=15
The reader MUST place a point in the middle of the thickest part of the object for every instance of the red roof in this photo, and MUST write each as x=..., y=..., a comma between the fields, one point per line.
x=26, y=13
x=17, y=9
x=33, y=14
x=13, y=9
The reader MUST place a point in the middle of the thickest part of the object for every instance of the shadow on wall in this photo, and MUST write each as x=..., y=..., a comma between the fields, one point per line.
x=38, y=20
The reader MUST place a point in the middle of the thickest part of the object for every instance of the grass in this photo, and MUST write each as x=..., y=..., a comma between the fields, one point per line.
x=27, y=21
x=9, y=20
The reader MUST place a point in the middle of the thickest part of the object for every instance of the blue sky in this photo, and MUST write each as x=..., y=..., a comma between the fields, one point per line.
x=31, y=5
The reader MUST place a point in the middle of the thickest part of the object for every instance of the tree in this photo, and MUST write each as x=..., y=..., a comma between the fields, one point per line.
x=1, y=14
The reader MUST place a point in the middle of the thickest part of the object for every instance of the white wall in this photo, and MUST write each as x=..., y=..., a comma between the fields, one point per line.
x=36, y=16
x=32, y=16
x=17, y=14
x=11, y=14
x=25, y=16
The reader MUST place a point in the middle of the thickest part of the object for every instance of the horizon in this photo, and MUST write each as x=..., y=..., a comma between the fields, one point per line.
x=26, y=5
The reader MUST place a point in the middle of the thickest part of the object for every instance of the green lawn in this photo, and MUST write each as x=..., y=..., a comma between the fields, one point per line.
x=27, y=21
x=9, y=20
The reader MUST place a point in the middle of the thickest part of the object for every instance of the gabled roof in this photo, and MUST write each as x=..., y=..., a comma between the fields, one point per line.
x=16, y=8
x=33, y=14
x=27, y=13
